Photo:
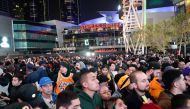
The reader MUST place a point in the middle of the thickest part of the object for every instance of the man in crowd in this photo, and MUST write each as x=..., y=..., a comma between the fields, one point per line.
x=120, y=66
x=131, y=68
x=154, y=73
x=42, y=69
x=67, y=100
x=140, y=94
x=28, y=93
x=16, y=83
x=181, y=65
x=31, y=76
x=63, y=78
x=105, y=94
x=47, y=96
x=174, y=84
x=88, y=97
x=180, y=101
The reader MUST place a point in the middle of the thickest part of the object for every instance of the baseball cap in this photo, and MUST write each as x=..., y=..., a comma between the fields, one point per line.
x=45, y=80
x=154, y=65
x=65, y=64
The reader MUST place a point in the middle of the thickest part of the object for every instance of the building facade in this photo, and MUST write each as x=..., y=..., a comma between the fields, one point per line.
x=104, y=34
x=70, y=11
x=4, y=7
x=34, y=37
x=43, y=10
x=32, y=10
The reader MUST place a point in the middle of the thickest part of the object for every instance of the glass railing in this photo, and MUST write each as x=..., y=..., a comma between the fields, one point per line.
x=93, y=45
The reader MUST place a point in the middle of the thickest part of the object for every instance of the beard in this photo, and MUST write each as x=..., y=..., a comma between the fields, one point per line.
x=145, y=89
x=95, y=88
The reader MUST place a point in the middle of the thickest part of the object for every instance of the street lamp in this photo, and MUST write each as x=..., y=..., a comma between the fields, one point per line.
x=119, y=7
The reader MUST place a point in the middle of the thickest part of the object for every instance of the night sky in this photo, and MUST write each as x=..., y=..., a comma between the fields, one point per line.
x=89, y=8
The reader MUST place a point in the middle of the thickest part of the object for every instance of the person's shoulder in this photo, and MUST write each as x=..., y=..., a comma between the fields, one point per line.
x=132, y=101
x=39, y=94
x=41, y=69
x=131, y=97
x=54, y=94
x=33, y=73
x=55, y=77
x=77, y=89
x=97, y=96
x=81, y=93
x=164, y=95
x=132, y=93
x=33, y=76
x=84, y=98
x=164, y=101
x=151, y=97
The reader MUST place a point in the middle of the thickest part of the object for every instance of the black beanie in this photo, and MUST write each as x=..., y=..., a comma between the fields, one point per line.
x=65, y=64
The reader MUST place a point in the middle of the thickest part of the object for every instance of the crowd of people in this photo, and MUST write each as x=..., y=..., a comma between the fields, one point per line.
x=121, y=81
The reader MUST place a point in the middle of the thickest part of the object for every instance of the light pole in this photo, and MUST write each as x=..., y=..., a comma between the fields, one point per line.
x=44, y=6
x=144, y=16
x=78, y=12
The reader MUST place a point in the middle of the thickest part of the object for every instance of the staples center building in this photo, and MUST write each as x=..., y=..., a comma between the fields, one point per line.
x=104, y=34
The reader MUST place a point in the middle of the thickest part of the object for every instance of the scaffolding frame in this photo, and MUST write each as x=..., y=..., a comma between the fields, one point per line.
x=131, y=23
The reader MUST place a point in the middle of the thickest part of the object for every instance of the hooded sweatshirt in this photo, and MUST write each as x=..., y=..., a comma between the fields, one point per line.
x=88, y=103
x=155, y=88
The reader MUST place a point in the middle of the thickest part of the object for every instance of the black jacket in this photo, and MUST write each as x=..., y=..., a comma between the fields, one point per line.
x=134, y=101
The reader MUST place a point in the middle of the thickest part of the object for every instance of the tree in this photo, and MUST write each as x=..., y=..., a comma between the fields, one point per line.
x=156, y=36
x=159, y=35
x=162, y=36
x=181, y=27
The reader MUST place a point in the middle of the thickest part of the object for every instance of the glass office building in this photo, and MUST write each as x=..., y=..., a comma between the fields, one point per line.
x=30, y=36
x=4, y=6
